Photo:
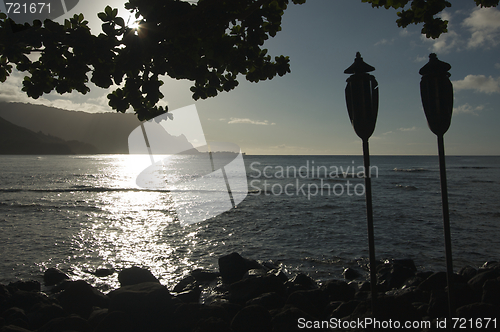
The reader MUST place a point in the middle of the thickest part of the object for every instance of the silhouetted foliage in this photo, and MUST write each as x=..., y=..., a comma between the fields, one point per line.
x=209, y=42
x=424, y=11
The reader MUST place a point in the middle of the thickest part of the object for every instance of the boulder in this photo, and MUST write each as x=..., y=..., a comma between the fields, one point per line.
x=204, y=276
x=13, y=328
x=42, y=313
x=233, y=267
x=468, y=272
x=135, y=275
x=252, y=318
x=213, y=324
x=491, y=291
x=438, y=280
x=338, y=290
x=53, y=276
x=15, y=316
x=100, y=273
x=191, y=316
x=187, y=283
x=242, y=291
x=479, y=310
x=312, y=301
x=116, y=321
x=288, y=319
x=350, y=274
x=344, y=309
x=269, y=301
x=26, y=300
x=141, y=300
x=80, y=297
x=71, y=323
x=29, y=286
x=394, y=274
x=478, y=281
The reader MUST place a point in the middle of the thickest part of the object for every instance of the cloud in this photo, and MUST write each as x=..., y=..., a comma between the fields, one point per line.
x=385, y=42
x=408, y=129
x=497, y=65
x=11, y=93
x=468, y=109
x=445, y=43
x=249, y=121
x=484, y=24
x=421, y=58
x=479, y=83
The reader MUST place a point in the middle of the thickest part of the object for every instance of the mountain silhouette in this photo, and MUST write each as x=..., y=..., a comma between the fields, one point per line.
x=107, y=132
x=18, y=140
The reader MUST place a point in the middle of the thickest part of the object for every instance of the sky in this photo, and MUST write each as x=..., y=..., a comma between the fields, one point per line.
x=304, y=112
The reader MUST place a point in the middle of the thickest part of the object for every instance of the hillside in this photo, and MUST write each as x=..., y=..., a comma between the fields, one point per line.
x=108, y=132
x=18, y=140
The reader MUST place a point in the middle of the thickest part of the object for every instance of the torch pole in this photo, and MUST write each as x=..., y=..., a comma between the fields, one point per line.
x=446, y=226
x=369, y=217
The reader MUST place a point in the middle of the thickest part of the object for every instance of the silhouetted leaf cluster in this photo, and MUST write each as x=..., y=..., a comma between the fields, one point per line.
x=210, y=42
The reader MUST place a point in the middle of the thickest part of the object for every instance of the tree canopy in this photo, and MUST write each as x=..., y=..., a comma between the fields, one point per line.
x=209, y=42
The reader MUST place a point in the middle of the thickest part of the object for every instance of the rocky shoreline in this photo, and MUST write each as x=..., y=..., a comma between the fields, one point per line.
x=247, y=295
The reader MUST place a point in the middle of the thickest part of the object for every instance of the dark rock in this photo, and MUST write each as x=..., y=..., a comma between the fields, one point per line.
x=203, y=276
x=491, y=292
x=142, y=301
x=438, y=280
x=350, y=274
x=312, y=301
x=26, y=300
x=115, y=321
x=63, y=324
x=269, y=301
x=80, y=297
x=491, y=265
x=187, y=283
x=135, y=275
x=190, y=296
x=53, y=276
x=252, y=318
x=242, y=291
x=393, y=275
x=468, y=272
x=304, y=281
x=288, y=320
x=412, y=282
x=344, y=309
x=388, y=307
x=190, y=316
x=233, y=267
x=97, y=316
x=478, y=281
x=463, y=294
x=438, y=304
x=213, y=325
x=479, y=310
x=254, y=273
x=338, y=290
x=100, y=273
x=15, y=316
x=28, y=286
x=279, y=273
x=42, y=313
x=13, y=328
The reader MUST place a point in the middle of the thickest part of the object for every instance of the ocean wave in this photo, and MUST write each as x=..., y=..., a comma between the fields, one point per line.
x=406, y=187
x=83, y=189
x=411, y=170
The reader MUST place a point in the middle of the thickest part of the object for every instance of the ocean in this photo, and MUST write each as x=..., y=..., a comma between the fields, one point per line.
x=81, y=213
